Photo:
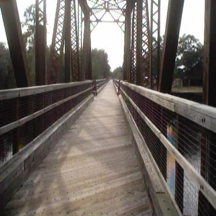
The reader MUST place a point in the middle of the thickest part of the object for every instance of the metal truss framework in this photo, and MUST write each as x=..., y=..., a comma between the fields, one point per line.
x=133, y=69
x=145, y=41
x=139, y=43
x=154, y=44
x=59, y=41
x=40, y=43
x=107, y=11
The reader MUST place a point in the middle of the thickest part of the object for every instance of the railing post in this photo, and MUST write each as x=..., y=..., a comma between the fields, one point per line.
x=119, y=88
x=16, y=140
x=95, y=87
x=179, y=173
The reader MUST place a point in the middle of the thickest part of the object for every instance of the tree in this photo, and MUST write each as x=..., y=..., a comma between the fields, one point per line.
x=7, y=79
x=189, y=61
x=118, y=73
x=100, y=64
x=29, y=25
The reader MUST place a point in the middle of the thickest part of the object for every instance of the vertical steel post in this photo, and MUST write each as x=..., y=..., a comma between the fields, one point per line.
x=40, y=43
x=139, y=71
x=154, y=43
x=87, y=64
x=145, y=61
x=170, y=45
x=127, y=43
x=13, y=30
x=133, y=69
x=56, y=52
x=80, y=26
x=209, y=74
x=67, y=37
x=75, y=66
x=208, y=148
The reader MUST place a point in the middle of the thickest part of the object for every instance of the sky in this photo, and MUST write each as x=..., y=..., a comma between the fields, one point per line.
x=109, y=36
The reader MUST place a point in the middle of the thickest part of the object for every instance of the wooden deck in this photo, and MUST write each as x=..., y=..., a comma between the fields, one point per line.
x=93, y=170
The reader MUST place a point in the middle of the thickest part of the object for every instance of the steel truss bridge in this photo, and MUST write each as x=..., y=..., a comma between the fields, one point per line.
x=75, y=146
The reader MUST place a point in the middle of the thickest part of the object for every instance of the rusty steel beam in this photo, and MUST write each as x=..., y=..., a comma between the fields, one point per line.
x=209, y=73
x=170, y=45
x=86, y=52
x=80, y=37
x=154, y=44
x=133, y=68
x=75, y=66
x=40, y=43
x=127, y=41
x=87, y=64
x=208, y=170
x=56, y=52
x=139, y=72
x=145, y=58
x=67, y=37
x=13, y=30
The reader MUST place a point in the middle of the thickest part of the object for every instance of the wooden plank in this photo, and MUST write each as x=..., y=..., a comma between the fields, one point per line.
x=91, y=170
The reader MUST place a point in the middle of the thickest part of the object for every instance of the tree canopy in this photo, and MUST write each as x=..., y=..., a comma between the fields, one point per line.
x=118, y=73
x=100, y=64
x=189, y=61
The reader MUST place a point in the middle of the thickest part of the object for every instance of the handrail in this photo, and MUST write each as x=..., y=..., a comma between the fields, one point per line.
x=201, y=114
x=25, y=113
x=22, y=92
x=180, y=134
x=206, y=189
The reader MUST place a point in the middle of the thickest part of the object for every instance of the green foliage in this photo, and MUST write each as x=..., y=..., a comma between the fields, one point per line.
x=29, y=25
x=118, y=73
x=7, y=79
x=189, y=62
x=100, y=64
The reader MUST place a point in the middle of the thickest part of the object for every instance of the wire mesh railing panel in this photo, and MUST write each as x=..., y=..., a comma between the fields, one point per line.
x=27, y=113
x=179, y=145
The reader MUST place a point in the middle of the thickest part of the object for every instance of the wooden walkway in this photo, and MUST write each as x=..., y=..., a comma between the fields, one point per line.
x=92, y=170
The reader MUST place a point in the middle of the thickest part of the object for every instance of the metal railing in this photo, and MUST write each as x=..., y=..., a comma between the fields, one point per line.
x=181, y=137
x=26, y=113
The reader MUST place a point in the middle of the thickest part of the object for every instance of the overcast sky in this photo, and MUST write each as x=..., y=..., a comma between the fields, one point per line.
x=110, y=38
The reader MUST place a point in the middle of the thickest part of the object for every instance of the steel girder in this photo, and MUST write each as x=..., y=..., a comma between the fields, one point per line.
x=59, y=35
x=133, y=69
x=13, y=30
x=154, y=44
x=75, y=67
x=40, y=43
x=56, y=52
x=209, y=75
x=138, y=33
x=170, y=45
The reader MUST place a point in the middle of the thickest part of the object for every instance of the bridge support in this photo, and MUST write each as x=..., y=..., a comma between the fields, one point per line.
x=68, y=36
x=15, y=42
x=40, y=43
x=170, y=45
x=209, y=78
x=127, y=38
x=68, y=41
x=86, y=52
x=208, y=148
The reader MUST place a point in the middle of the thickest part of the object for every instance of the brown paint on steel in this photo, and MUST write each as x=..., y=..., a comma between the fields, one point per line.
x=170, y=45
x=13, y=30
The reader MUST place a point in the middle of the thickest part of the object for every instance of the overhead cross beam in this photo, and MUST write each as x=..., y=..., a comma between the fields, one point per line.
x=102, y=9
